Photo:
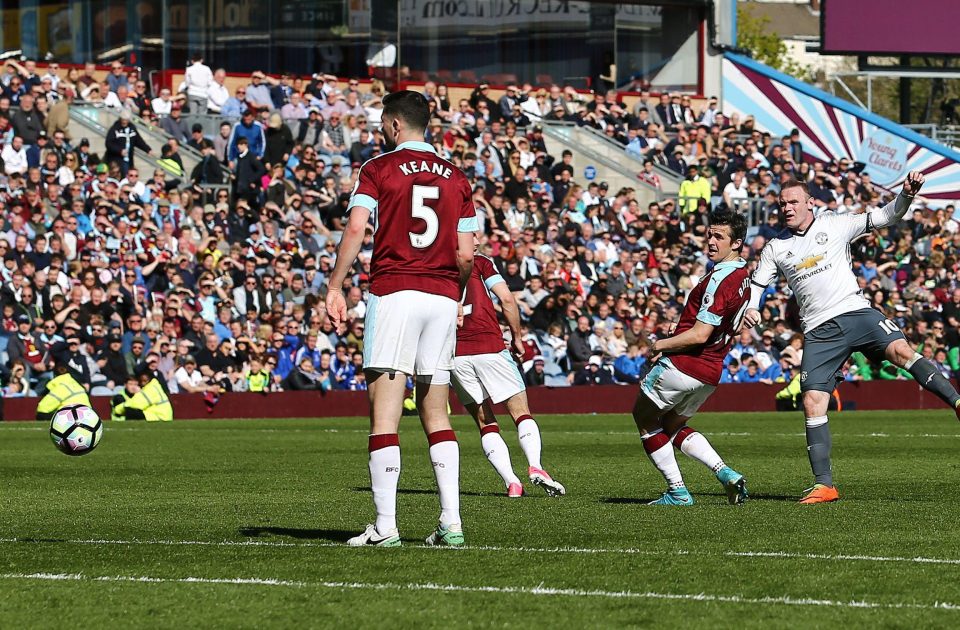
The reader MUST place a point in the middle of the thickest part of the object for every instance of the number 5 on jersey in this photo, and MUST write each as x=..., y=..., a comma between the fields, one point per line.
x=427, y=214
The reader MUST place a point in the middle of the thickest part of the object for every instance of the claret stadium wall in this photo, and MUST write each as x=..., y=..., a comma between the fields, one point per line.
x=742, y=397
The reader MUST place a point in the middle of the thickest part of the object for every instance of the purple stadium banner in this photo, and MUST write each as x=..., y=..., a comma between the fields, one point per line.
x=893, y=27
x=831, y=128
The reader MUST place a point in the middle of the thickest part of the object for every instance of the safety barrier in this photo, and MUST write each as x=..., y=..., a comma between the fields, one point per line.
x=872, y=395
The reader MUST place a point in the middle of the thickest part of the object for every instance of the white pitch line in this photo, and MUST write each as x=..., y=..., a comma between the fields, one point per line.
x=539, y=591
x=281, y=543
x=840, y=557
x=495, y=548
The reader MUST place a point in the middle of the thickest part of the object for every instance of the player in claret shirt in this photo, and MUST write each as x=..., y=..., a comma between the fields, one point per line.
x=423, y=221
x=686, y=367
x=485, y=373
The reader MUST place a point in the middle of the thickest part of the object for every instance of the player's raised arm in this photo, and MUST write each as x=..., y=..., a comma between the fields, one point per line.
x=763, y=275
x=893, y=212
x=347, y=252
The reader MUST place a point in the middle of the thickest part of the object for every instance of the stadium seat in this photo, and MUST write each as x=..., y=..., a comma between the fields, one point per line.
x=544, y=80
x=419, y=76
x=467, y=76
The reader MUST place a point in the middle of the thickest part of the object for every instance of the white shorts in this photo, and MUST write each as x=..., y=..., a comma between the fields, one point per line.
x=671, y=389
x=481, y=376
x=411, y=332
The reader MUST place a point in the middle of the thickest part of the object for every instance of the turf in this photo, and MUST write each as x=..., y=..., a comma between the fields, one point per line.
x=110, y=538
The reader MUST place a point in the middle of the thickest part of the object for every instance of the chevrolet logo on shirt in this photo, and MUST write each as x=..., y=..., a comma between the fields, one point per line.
x=808, y=263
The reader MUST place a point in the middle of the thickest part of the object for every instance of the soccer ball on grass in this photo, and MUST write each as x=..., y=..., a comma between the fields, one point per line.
x=76, y=429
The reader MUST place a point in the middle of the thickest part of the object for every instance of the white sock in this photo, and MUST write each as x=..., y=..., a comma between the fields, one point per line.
x=445, y=457
x=497, y=453
x=384, y=476
x=529, y=434
x=692, y=444
x=658, y=448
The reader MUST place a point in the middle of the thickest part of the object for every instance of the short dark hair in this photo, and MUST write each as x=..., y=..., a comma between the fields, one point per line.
x=409, y=106
x=796, y=183
x=736, y=221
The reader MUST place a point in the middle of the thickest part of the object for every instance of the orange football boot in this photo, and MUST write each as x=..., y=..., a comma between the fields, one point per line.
x=820, y=493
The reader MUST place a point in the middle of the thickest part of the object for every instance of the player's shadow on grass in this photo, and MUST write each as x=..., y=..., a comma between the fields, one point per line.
x=642, y=501
x=463, y=493
x=333, y=535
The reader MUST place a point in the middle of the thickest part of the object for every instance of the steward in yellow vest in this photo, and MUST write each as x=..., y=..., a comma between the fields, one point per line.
x=150, y=403
x=63, y=390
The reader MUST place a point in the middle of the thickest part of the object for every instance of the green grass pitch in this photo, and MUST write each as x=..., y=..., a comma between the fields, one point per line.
x=241, y=524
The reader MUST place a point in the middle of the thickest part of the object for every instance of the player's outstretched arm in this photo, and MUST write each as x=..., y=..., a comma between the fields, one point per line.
x=893, y=212
x=347, y=252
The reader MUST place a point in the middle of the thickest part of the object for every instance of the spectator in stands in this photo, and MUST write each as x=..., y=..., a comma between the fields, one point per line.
x=197, y=82
x=174, y=125
x=163, y=103
x=536, y=375
x=252, y=131
x=117, y=76
x=27, y=122
x=692, y=189
x=278, y=142
x=217, y=93
x=294, y=109
x=258, y=93
x=14, y=157
x=304, y=377
x=594, y=373
x=248, y=171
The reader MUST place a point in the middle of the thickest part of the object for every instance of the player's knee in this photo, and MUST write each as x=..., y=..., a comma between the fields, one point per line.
x=902, y=353
x=815, y=403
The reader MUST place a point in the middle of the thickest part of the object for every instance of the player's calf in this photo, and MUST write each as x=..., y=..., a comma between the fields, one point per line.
x=693, y=444
x=656, y=444
x=932, y=380
x=497, y=453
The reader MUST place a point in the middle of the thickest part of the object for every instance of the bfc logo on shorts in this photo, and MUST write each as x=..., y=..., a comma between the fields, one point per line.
x=821, y=238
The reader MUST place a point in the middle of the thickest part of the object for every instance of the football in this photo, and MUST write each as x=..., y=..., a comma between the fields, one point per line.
x=76, y=430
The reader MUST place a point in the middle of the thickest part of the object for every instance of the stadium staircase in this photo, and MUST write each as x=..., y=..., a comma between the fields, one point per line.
x=613, y=165
x=94, y=122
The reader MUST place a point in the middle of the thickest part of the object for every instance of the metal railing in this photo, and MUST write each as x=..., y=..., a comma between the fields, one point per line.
x=948, y=135
x=93, y=124
x=567, y=133
x=659, y=169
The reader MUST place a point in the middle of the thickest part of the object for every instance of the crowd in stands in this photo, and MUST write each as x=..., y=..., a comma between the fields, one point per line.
x=119, y=273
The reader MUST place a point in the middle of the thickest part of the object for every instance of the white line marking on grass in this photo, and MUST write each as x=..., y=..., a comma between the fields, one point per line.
x=495, y=548
x=845, y=557
x=282, y=543
x=541, y=590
